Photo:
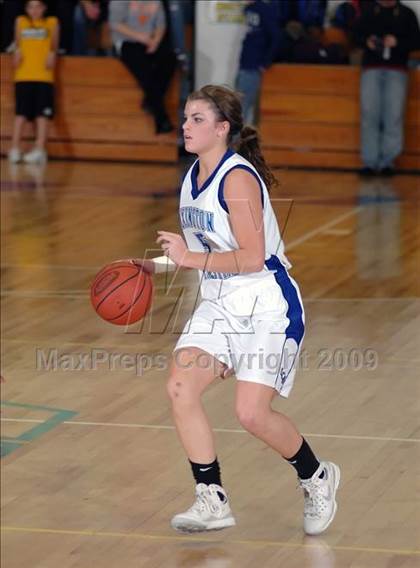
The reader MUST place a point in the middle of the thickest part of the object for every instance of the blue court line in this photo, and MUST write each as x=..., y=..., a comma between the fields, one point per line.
x=60, y=415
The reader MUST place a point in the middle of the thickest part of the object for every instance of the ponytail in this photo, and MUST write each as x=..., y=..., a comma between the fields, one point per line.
x=248, y=146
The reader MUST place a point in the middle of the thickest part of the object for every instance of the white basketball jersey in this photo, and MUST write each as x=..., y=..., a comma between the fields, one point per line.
x=204, y=218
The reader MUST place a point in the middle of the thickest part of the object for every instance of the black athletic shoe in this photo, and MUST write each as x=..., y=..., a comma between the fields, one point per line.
x=387, y=172
x=367, y=172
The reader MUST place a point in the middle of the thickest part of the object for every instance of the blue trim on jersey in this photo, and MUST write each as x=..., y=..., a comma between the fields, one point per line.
x=195, y=191
x=296, y=327
x=222, y=184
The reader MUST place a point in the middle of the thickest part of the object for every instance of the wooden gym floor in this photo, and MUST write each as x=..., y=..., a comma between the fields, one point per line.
x=92, y=470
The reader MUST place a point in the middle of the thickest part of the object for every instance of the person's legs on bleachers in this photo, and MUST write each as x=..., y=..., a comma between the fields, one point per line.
x=370, y=109
x=160, y=68
x=394, y=97
x=248, y=83
x=165, y=64
x=79, y=32
x=64, y=10
x=143, y=67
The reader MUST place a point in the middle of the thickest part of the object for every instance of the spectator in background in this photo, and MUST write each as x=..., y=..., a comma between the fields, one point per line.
x=301, y=35
x=180, y=13
x=180, y=16
x=345, y=15
x=311, y=14
x=387, y=30
x=138, y=32
x=338, y=30
x=258, y=49
x=65, y=11
x=301, y=22
x=77, y=18
x=89, y=15
x=36, y=44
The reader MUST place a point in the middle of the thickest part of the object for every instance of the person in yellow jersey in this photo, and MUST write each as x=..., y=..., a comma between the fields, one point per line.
x=36, y=39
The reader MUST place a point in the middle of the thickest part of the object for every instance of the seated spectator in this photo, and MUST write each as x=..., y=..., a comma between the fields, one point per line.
x=298, y=20
x=36, y=44
x=180, y=13
x=138, y=30
x=89, y=15
x=338, y=30
x=342, y=16
x=387, y=31
x=346, y=14
x=77, y=19
x=301, y=36
x=311, y=14
x=258, y=49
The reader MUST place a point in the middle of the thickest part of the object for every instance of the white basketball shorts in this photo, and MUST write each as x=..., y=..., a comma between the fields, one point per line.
x=262, y=348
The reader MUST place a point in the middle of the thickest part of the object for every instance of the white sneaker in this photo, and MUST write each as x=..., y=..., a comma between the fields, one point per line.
x=14, y=155
x=209, y=511
x=319, y=494
x=35, y=156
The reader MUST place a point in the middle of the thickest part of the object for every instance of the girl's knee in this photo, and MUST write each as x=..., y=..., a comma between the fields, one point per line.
x=181, y=390
x=174, y=386
x=253, y=405
x=251, y=417
x=191, y=373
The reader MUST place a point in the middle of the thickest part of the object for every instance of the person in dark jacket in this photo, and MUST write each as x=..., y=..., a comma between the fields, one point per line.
x=258, y=49
x=387, y=30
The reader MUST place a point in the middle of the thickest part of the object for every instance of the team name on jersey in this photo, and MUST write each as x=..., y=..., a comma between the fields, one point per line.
x=218, y=275
x=35, y=33
x=195, y=218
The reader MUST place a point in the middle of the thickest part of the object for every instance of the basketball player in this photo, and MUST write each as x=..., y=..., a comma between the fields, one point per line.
x=251, y=311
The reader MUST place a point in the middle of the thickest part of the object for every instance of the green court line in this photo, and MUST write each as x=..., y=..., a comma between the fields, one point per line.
x=60, y=415
x=7, y=447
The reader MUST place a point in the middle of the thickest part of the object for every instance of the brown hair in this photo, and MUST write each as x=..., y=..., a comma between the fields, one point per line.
x=226, y=104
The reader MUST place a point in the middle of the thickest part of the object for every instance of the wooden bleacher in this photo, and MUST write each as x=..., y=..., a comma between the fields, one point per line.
x=98, y=113
x=309, y=116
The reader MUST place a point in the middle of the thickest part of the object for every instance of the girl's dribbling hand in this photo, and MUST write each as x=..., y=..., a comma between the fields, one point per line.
x=173, y=246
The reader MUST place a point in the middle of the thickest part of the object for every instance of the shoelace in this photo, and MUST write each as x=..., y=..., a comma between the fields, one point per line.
x=315, y=501
x=204, y=502
x=200, y=504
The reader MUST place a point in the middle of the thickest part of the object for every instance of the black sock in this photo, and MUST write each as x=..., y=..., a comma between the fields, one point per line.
x=206, y=472
x=305, y=462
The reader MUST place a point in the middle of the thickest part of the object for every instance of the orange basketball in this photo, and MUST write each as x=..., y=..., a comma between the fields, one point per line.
x=122, y=293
